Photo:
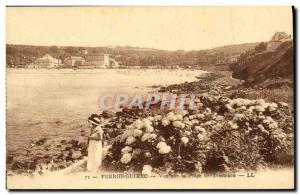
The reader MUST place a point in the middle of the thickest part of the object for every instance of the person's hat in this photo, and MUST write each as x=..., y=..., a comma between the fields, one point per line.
x=94, y=119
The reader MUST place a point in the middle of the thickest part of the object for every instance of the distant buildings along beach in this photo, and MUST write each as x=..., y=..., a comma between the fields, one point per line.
x=53, y=57
x=86, y=61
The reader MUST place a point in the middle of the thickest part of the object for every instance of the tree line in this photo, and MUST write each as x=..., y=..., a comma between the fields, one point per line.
x=127, y=56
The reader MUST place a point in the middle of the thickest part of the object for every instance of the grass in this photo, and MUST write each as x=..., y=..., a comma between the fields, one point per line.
x=277, y=94
x=272, y=95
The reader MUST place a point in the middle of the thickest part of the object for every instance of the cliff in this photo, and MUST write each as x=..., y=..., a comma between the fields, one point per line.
x=258, y=67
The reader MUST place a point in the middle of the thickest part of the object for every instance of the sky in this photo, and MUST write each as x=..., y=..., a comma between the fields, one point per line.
x=169, y=28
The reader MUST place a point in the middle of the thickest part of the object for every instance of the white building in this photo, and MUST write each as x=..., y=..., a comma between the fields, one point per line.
x=277, y=39
x=73, y=61
x=96, y=61
x=47, y=61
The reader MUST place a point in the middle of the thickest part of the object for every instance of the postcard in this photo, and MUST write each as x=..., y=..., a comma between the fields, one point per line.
x=135, y=98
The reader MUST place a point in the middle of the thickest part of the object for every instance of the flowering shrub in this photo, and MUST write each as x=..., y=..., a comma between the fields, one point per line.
x=224, y=134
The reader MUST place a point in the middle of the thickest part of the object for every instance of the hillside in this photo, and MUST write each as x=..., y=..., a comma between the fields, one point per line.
x=129, y=56
x=235, y=49
x=262, y=67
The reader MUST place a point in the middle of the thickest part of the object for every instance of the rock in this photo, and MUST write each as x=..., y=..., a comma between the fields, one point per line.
x=69, y=163
x=58, y=122
x=108, y=114
x=266, y=66
x=45, y=159
x=283, y=104
x=84, y=151
x=67, y=148
x=69, y=155
x=63, y=155
x=76, y=155
x=53, y=167
x=227, y=87
x=47, y=148
x=63, y=141
x=17, y=166
x=74, y=143
x=32, y=165
x=41, y=141
x=69, y=158
x=83, y=145
x=62, y=165
x=9, y=159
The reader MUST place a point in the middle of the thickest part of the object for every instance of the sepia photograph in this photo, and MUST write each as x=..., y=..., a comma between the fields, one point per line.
x=149, y=97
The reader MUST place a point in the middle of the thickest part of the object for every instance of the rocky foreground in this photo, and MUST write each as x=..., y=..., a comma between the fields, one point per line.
x=226, y=133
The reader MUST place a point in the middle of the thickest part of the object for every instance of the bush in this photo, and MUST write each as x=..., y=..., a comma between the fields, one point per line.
x=223, y=135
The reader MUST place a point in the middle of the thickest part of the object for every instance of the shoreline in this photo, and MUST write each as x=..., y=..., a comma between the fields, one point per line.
x=48, y=148
x=99, y=70
x=80, y=147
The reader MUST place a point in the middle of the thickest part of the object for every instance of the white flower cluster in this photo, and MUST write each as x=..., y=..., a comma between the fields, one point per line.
x=126, y=154
x=126, y=150
x=178, y=124
x=232, y=125
x=144, y=131
x=126, y=158
x=163, y=148
x=175, y=118
x=185, y=140
x=253, y=105
x=148, y=136
x=158, y=134
x=130, y=140
x=200, y=129
x=165, y=122
x=138, y=129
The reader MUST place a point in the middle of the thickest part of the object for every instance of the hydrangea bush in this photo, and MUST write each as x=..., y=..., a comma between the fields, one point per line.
x=222, y=135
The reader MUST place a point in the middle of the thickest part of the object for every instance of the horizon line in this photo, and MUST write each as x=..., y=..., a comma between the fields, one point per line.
x=140, y=47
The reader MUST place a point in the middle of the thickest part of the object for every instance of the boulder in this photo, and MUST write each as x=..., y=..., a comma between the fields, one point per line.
x=17, y=166
x=108, y=114
x=40, y=142
x=63, y=141
x=74, y=143
x=76, y=155
x=9, y=159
